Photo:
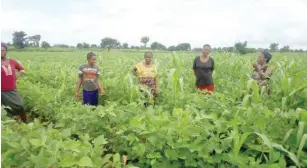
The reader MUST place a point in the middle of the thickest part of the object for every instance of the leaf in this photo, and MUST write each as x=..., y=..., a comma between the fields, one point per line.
x=303, y=141
x=153, y=161
x=300, y=132
x=106, y=158
x=100, y=141
x=67, y=161
x=287, y=136
x=171, y=154
x=85, y=161
x=35, y=142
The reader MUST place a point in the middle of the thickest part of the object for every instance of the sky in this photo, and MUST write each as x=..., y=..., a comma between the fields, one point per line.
x=170, y=22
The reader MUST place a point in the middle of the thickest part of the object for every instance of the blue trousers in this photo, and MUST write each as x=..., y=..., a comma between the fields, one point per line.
x=90, y=97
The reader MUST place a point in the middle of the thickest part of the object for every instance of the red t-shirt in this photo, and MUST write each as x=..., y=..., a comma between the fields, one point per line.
x=8, y=76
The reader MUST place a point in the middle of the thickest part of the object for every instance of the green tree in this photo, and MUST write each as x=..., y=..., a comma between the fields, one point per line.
x=93, y=46
x=183, y=47
x=61, y=46
x=145, y=40
x=109, y=43
x=85, y=45
x=274, y=47
x=19, y=39
x=79, y=45
x=157, y=46
x=241, y=47
x=125, y=46
x=171, y=48
x=285, y=49
x=45, y=45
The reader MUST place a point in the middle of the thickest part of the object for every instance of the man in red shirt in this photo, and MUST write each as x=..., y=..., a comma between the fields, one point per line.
x=9, y=94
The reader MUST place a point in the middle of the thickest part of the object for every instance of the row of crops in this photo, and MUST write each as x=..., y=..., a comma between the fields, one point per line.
x=232, y=128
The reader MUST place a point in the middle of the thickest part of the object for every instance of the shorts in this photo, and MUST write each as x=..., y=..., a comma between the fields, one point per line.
x=90, y=97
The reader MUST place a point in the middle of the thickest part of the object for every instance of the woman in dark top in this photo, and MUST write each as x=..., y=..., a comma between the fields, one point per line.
x=203, y=67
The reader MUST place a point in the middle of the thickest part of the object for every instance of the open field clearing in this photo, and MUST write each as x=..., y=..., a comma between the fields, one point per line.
x=238, y=126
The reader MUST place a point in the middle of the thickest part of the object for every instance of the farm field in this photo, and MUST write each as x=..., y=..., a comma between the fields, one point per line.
x=238, y=126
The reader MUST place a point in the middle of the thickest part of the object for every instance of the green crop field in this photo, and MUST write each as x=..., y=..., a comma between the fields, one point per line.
x=238, y=126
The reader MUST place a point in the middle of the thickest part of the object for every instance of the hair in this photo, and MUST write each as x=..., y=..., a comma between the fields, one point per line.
x=207, y=45
x=267, y=55
x=147, y=53
x=4, y=45
x=90, y=54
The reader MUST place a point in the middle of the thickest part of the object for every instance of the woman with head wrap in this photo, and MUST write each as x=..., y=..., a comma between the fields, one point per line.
x=146, y=71
x=9, y=93
x=262, y=72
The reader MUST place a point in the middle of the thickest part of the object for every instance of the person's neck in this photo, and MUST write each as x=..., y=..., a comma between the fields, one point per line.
x=3, y=58
x=205, y=56
x=147, y=63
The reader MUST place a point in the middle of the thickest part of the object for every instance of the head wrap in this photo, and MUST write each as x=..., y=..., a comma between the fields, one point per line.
x=267, y=55
x=4, y=45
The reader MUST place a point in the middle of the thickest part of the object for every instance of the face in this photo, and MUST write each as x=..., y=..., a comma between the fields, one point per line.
x=206, y=50
x=148, y=58
x=3, y=52
x=261, y=59
x=92, y=60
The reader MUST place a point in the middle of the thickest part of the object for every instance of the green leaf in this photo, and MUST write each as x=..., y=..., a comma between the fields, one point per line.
x=171, y=154
x=303, y=141
x=67, y=161
x=85, y=161
x=35, y=142
x=300, y=132
x=100, y=141
x=287, y=136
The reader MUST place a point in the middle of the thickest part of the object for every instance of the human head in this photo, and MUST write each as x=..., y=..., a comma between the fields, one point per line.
x=264, y=57
x=148, y=57
x=91, y=58
x=206, y=49
x=3, y=49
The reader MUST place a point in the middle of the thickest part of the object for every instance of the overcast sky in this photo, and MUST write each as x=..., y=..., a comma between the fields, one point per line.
x=217, y=22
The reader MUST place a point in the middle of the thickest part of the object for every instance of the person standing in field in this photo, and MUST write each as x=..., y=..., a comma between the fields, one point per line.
x=147, y=74
x=203, y=67
x=262, y=72
x=89, y=79
x=9, y=94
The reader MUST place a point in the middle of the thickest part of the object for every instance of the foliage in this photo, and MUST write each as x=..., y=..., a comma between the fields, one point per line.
x=157, y=46
x=285, y=49
x=79, y=45
x=234, y=127
x=241, y=47
x=109, y=43
x=125, y=46
x=45, y=45
x=85, y=45
x=274, y=47
x=61, y=46
x=183, y=47
x=93, y=46
x=145, y=40
x=19, y=39
x=33, y=40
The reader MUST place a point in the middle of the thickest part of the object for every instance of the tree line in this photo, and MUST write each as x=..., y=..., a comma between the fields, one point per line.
x=22, y=40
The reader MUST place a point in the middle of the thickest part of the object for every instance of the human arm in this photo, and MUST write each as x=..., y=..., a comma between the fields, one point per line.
x=79, y=83
x=20, y=70
x=101, y=88
x=134, y=71
x=194, y=67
